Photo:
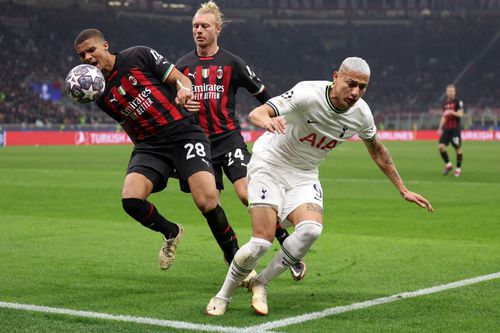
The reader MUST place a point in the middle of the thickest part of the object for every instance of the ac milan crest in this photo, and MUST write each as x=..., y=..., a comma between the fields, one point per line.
x=132, y=80
x=220, y=73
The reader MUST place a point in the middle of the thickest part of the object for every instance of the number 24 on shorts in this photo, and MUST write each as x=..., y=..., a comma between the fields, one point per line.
x=238, y=154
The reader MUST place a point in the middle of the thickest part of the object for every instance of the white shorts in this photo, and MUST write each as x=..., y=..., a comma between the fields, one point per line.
x=281, y=188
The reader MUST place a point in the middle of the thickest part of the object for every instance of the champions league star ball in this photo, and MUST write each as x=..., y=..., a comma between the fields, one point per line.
x=85, y=83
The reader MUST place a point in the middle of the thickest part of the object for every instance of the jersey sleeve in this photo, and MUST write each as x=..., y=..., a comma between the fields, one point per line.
x=247, y=78
x=157, y=63
x=369, y=131
x=293, y=100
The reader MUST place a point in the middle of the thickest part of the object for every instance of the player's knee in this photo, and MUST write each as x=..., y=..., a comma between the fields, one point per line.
x=259, y=246
x=255, y=249
x=207, y=205
x=310, y=231
x=206, y=201
x=134, y=207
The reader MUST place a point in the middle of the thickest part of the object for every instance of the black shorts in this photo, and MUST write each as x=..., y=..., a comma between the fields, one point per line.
x=451, y=136
x=231, y=158
x=233, y=164
x=183, y=154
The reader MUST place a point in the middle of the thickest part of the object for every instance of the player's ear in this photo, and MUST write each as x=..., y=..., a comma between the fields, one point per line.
x=335, y=76
x=106, y=45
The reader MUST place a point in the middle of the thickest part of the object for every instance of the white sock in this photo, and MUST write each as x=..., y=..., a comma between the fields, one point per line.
x=243, y=263
x=294, y=248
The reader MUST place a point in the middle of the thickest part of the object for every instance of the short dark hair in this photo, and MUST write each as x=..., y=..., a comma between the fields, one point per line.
x=86, y=34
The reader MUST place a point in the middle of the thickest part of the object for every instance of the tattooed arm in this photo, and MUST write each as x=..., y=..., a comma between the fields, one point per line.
x=381, y=156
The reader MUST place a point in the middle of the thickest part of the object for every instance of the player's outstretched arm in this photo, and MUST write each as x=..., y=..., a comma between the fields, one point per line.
x=264, y=117
x=381, y=156
x=184, y=89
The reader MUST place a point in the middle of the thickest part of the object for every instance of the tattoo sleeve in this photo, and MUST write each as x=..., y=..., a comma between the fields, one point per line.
x=314, y=208
x=383, y=159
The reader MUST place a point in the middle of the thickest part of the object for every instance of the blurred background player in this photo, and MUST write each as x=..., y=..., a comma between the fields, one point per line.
x=449, y=129
x=216, y=75
x=303, y=125
x=145, y=94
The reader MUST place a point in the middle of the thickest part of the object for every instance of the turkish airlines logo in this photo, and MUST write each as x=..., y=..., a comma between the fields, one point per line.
x=80, y=138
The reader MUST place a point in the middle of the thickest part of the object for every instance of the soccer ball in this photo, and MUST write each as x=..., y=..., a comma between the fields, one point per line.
x=85, y=83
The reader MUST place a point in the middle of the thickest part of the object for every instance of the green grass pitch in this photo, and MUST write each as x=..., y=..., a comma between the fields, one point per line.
x=66, y=243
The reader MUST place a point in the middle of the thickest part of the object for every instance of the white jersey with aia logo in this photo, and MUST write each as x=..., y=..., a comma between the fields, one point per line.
x=313, y=126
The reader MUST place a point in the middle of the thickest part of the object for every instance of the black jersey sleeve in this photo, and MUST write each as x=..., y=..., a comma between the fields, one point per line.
x=249, y=80
x=157, y=63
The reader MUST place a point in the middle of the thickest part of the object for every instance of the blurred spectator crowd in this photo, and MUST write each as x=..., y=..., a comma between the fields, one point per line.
x=412, y=58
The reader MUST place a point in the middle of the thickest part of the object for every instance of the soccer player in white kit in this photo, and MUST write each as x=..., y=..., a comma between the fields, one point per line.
x=302, y=125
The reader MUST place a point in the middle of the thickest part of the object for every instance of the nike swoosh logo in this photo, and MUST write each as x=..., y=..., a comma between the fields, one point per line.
x=309, y=121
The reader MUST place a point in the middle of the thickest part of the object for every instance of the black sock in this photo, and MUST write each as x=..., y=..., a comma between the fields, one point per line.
x=146, y=214
x=281, y=234
x=222, y=231
x=459, y=160
x=444, y=155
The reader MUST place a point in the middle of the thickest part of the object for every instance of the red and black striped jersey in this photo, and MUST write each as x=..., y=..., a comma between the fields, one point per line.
x=136, y=93
x=216, y=80
x=450, y=121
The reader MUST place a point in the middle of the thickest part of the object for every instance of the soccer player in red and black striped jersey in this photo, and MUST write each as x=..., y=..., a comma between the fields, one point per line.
x=449, y=129
x=216, y=75
x=145, y=93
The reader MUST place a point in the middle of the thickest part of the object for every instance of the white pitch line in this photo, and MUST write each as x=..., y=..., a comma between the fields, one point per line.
x=363, y=305
x=383, y=180
x=257, y=328
x=130, y=319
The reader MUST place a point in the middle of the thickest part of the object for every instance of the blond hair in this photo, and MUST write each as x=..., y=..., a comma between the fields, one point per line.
x=211, y=7
x=355, y=64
